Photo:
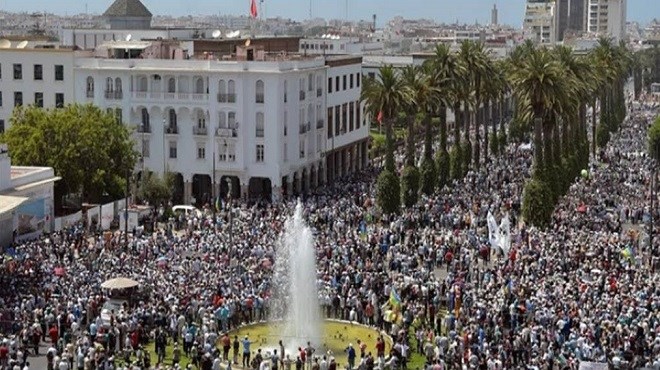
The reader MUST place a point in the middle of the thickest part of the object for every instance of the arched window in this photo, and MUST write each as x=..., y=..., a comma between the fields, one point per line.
x=172, y=117
x=109, y=87
x=143, y=84
x=145, y=117
x=260, y=124
x=231, y=120
x=171, y=85
x=118, y=84
x=222, y=120
x=199, y=85
x=259, y=92
x=90, y=87
x=201, y=119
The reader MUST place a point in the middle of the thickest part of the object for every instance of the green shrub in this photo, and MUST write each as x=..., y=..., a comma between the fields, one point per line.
x=503, y=141
x=410, y=185
x=428, y=176
x=467, y=157
x=388, y=192
x=537, y=205
x=494, y=144
x=602, y=135
x=455, y=162
x=443, y=164
x=654, y=139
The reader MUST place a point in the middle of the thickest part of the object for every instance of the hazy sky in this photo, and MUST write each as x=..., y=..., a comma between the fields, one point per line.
x=466, y=11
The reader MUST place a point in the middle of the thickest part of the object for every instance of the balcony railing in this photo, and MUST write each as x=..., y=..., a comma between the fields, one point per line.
x=200, y=97
x=319, y=92
x=320, y=123
x=172, y=130
x=226, y=132
x=109, y=94
x=226, y=98
x=302, y=95
x=90, y=93
x=200, y=131
x=119, y=95
x=260, y=132
x=305, y=128
x=144, y=129
x=159, y=96
x=260, y=98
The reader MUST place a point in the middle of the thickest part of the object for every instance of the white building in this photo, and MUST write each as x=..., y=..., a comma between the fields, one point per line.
x=262, y=117
x=337, y=45
x=43, y=77
x=539, y=22
x=607, y=18
x=26, y=200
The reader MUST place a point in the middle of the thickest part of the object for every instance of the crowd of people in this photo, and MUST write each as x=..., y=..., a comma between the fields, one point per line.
x=583, y=290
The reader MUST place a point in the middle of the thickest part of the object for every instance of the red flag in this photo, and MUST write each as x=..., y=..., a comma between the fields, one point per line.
x=380, y=118
x=253, y=9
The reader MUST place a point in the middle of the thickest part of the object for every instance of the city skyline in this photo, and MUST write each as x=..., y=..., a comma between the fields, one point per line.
x=510, y=11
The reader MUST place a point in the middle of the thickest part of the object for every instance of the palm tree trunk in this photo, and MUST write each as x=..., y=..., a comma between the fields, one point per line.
x=442, y=114
x=538, y=145
x=501, y=117
x=389, y=146
x=486, y=117
x=458, y=122
x=593, y=129
x=548, y=156
x=428, y=137
x=478, y=121
x=410, y=142
x=467, y=117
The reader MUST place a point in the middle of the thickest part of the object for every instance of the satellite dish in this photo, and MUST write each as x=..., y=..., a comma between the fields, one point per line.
x=5, y=44
x=22, y=44
x=233, y=34
x=248, y=42
x=216, y=34
x=128, y=37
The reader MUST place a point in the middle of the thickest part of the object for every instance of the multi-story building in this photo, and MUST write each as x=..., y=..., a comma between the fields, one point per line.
x=258, y=120
x=539, y=22
x=31, y=76
x=607, y=18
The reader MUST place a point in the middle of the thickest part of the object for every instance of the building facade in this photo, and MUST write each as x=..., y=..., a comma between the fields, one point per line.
x=539, y=23
x=607, y=18
x=261, y=123
x=41, y=77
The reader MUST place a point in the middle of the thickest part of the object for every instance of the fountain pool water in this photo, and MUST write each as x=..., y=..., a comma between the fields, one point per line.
x=295, y=314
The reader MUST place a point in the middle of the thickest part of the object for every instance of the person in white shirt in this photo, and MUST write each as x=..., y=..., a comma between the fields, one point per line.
x=63, y=365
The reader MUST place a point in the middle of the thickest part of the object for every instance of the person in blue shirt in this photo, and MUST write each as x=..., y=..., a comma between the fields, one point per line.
x=351, y=356
x=246, y=352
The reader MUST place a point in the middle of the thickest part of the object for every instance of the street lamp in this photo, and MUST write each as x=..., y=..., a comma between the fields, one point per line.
x=231, y=215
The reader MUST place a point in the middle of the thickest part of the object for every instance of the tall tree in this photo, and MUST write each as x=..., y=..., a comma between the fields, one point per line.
x=383, y=97
x=89, y=148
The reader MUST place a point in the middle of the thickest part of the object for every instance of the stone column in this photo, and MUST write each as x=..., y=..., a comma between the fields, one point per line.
x=187, y=191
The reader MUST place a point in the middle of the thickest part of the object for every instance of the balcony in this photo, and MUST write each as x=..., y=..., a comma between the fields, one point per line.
x=302, y=95
x=90, y=93
x=319, y=92
x=260, y=98
x=319, y=124
x=201, y=131
x=226, y=98
x=305, y=128
x=260, y=132
x=226, y=132
x=144, y=128
x=172, y=130
x=182, y=97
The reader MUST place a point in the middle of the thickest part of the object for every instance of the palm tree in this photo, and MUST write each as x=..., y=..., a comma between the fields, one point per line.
x=475, y=59
x=383, y=97
x=446, y=75
x=416, y=89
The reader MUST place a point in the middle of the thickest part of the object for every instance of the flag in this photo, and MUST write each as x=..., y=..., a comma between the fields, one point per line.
x=493, y=230
x=217, y=204
x=505, y=234
x=379, y=118
x=395, y=300
x=253, y=9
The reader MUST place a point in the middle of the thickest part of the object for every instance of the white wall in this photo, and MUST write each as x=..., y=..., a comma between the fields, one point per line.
x=27, y=58
x=338, y=98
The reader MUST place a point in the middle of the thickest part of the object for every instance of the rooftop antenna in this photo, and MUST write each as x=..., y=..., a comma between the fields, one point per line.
x=216, y=34
x=22, y=44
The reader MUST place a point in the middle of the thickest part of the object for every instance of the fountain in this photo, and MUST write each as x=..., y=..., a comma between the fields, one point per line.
x=294, y=309
x=295, y=297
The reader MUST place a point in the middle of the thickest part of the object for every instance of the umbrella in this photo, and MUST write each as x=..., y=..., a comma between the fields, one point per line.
x=119, y=283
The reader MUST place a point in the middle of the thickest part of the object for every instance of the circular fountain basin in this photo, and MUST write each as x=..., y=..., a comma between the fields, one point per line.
x=336, y=336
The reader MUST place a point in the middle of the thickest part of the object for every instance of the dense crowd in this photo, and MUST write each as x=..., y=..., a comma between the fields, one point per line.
x=582, y=291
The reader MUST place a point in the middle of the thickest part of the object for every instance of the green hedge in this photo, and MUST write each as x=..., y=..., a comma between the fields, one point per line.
x=410, y=185
x=388, y=192
x=537, y=205
x=429, y=176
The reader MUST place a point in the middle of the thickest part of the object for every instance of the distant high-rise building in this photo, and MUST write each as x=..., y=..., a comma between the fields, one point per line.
x=539, y=22
x=607, y=18
x=569, y=16
x=493, y=15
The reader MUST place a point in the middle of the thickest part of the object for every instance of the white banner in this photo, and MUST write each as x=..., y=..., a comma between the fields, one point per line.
x=107, y=215
x=493, y=230
x=505, y=234
x=66, y=222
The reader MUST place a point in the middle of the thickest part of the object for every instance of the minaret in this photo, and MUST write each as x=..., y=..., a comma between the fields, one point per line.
x=493, y=15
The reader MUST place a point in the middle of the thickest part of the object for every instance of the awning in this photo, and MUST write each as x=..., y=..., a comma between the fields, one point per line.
x=9, y=203
x=119, y=283
x=37, y=183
